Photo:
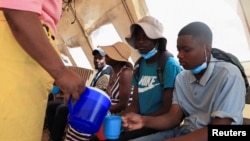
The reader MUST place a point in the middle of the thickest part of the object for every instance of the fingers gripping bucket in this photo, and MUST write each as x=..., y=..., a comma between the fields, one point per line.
x=86, y=115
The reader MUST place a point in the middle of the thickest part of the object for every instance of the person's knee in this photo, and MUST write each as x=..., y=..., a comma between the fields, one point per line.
x=52, y=107
x=63, y=109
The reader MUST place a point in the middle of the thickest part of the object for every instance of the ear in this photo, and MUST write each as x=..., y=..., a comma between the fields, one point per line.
x=208, y=48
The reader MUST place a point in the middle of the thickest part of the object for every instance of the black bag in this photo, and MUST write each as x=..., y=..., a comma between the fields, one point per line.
x=228, y=57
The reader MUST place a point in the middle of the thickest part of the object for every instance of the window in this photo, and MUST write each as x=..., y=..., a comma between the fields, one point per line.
x=105, y=35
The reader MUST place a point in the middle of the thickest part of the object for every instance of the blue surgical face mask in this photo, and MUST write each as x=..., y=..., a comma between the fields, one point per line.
x=200, y=68
x=151, y=53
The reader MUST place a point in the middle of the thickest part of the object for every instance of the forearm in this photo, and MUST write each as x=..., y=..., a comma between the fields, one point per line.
x=134, y=106
x=162, y=122
x=130, y=108
x=116, y=108
x=27, y=29
x=159, y=112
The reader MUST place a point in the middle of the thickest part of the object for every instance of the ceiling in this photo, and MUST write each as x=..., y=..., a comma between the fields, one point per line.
x=81, y=17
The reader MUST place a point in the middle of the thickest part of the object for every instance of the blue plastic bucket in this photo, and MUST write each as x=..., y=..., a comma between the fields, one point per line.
x=86, y=115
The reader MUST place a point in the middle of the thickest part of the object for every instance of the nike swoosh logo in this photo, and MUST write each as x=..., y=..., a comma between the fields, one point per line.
x=141, y=90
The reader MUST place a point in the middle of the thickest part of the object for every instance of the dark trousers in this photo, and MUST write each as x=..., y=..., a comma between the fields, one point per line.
x=56, y=117
x=125, y=136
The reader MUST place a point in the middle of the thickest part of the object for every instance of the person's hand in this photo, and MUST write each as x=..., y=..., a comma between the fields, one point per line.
x=132, y=121
x=70, y=84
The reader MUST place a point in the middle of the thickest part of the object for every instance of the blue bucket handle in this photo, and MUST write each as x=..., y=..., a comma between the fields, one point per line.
x=70, y=104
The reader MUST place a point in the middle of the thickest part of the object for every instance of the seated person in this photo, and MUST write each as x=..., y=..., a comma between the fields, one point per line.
x=119, y=88
x=208, y=92
x=150, y=97
x=57, y=111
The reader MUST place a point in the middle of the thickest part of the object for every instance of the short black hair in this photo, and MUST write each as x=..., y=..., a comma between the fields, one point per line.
x=198, y=29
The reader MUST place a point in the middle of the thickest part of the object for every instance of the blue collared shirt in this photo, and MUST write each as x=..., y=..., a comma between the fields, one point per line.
x=219, y=93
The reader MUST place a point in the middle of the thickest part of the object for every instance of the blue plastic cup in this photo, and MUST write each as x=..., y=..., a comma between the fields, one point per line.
x=112, y=126
x=87, y=114
x=55, y=90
